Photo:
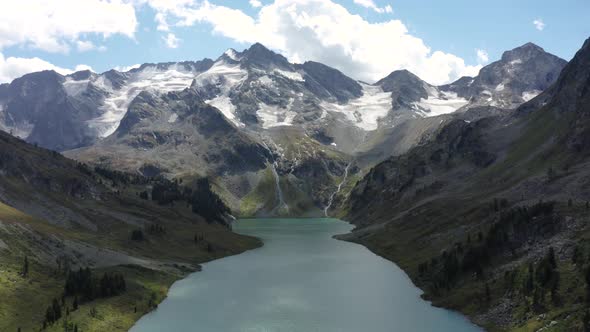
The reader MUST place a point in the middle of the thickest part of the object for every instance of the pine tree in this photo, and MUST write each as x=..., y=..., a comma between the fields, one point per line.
x=25, y=272
x=551, y=257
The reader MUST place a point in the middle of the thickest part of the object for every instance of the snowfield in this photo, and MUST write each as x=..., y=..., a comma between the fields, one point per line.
x=439, y=102
x=224, y=104
x=292, y=75
x=365, y=111
x=74, y=88
x=274, y=116
x=175, y=78
x=528, y=95
x=224, y=76
x=173, y=117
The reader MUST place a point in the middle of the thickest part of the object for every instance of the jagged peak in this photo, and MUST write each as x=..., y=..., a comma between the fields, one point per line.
x=258, y=47
x=232, y=54
x=260, y=55
x=524, y=52
x=401, y=74
x=81, y=75
x=44, y=73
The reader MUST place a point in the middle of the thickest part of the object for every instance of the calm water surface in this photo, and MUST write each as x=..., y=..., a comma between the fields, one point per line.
x=300, y=280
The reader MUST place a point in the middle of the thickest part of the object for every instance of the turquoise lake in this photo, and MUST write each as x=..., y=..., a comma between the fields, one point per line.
x=301, y=280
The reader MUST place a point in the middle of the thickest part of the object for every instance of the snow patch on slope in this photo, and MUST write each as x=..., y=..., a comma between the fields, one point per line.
x=174, y=78
x=528, y=95
x=292, y=75
x=173, y=117
x=365, y=111
x=227, y=108
x=275, y=116
x=21, y=131
x=232, y=54
x=266, y=81
x=73, y=87
x=223, y=76
x=439, y=103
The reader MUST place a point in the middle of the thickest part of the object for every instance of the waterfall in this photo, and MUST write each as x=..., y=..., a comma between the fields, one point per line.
x=337, y=190
x=281, y=204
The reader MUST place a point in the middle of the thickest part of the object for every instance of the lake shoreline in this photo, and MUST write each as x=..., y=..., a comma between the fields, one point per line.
x=425, y=295
x=286, y=245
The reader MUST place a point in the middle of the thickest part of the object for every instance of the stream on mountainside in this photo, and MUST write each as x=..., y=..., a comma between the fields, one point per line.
x=302, y=279
x=331, y=199
x=281, y=204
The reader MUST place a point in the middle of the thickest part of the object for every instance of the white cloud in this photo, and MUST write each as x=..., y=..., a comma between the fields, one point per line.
x=482, y=56
x=53, y=25
x=84, y=46
x=323, y=31
x=164, y=9
x=126, y=68
x=81, y=67
x=371, y=5
x=13, y=67
x=255, y=3
x=539, y=24
x=171, y=40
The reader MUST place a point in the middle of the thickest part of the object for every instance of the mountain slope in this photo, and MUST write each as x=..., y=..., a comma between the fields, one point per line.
x=475, y=210
x=61, y=214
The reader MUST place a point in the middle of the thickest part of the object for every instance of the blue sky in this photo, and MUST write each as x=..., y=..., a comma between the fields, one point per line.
x=363, y=38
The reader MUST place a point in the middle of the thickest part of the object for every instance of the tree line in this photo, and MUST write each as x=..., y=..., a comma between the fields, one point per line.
x=82, y=286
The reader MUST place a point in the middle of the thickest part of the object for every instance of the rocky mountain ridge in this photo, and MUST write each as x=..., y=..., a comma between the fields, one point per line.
x=294, y=115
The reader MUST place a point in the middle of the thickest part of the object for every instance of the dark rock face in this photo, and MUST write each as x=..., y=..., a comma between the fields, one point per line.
x=571, y=96
x=38, y=109
x=405, y=88
x=324, y=82
x=261, y=57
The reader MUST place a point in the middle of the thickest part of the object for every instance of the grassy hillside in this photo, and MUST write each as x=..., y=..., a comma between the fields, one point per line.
x=491, y=218
x=61, y=216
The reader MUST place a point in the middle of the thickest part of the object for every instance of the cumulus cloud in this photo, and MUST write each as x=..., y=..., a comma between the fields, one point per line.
x=539, y=24
x=13, y=67
x=482, y=56
x=255, y=3
x=127, y=68
x=84, y=46
x=371, y=5
x=324, y=31
x=54, y=25
x=171, y=40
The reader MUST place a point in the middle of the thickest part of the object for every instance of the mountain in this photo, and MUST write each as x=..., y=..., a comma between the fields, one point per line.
x=486, y=204
x=519, y=76
x=279, y=124
x=82, y=107
x=60, y=215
